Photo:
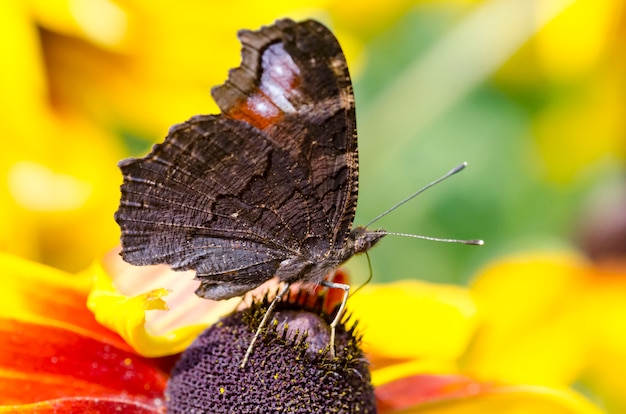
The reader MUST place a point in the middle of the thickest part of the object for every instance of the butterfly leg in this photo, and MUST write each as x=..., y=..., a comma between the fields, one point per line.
x=264, y=321
x=342, y=307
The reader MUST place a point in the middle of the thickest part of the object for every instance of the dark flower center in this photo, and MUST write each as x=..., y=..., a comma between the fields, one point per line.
x=290, y=369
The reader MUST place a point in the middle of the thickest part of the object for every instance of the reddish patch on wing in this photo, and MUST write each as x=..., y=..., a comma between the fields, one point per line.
x=39, y=363
x=419, y=389
x=248, y=111
x=277, y=92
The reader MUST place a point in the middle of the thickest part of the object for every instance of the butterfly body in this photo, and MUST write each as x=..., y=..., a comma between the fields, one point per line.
x=314, y=267
x=266, y=188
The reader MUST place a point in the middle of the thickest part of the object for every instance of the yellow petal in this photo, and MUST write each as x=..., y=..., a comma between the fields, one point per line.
x=102, y=22
x=37, y=293
x=126, y=315
x=514, y=399
x=412, y=319
x=531, y=329
x=405, y=369
x=604, y=312
x=566, y=52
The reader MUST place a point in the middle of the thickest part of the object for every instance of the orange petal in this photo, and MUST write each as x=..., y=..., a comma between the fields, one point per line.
x=42, y=295
x=420, y=389
x=461, y=395
x=40, y=362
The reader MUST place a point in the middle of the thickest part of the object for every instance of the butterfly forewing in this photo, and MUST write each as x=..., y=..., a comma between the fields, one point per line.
x=274, y=177
x=295, y=86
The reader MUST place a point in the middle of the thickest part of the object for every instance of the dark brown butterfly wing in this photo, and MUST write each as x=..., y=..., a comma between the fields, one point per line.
x=274, y=177
x=298, y=76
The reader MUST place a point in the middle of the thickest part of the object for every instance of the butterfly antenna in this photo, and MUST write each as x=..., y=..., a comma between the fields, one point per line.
x=418, y=192
x=264, y=321
x=473, y=242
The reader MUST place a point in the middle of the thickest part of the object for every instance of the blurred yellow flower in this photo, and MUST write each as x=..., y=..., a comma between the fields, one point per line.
x=552, y=320
x=91, y=81
x=574, y=68
x=87, y=79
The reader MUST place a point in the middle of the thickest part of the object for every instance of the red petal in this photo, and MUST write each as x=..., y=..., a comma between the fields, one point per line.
x=38, y=293
x=39, y=363
x=69, y=307
x=84, y=405
x=419, y=389
x=334, y=297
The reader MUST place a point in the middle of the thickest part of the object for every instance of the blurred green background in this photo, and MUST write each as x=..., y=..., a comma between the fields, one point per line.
x=529, y=93
x=445, y=85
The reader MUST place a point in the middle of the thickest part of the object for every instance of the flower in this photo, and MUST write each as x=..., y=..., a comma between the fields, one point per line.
x=54, y=355
x=552, y=320
x=291, y=370
x=92, y=80
x=573, y=79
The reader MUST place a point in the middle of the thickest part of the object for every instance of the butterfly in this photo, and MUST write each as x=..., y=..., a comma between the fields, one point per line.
x=268, y=188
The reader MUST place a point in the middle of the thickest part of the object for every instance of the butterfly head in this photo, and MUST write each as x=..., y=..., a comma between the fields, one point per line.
x=362, y=239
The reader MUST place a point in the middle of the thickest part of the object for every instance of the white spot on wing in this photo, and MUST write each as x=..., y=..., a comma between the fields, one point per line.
x=261, y=106
x=277, y=95
x=280, y=75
